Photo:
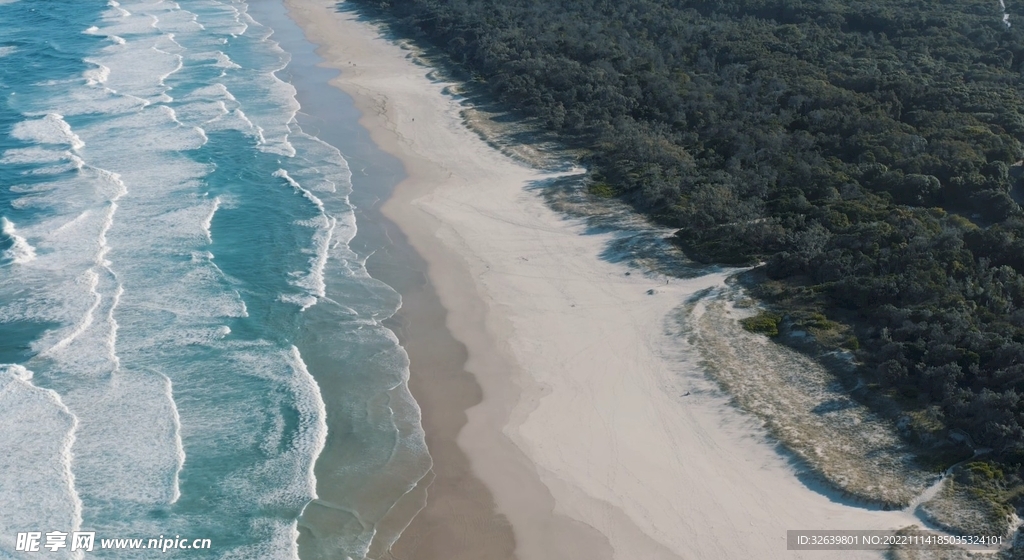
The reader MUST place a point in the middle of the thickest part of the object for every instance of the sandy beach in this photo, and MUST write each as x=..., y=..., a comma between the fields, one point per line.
x=564, y=419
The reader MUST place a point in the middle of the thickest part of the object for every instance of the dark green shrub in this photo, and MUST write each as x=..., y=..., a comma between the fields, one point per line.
x=765, y=322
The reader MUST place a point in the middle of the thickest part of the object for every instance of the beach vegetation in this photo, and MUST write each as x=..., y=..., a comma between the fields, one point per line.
x=977, y=498
x=766, y=323
x=601, y=190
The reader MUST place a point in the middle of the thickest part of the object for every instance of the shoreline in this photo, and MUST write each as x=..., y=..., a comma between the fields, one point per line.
x=581, y=439
x=460, y=519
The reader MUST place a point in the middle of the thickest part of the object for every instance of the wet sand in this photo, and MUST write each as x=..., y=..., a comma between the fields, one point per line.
x=460, y=521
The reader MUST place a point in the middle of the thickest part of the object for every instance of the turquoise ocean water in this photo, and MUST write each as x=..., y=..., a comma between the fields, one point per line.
x=186, y=321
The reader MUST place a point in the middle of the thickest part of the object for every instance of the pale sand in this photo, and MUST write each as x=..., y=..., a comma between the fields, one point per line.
x=582, y=438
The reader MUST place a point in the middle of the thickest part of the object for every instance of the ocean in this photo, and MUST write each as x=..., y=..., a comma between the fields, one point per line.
x=190, y=344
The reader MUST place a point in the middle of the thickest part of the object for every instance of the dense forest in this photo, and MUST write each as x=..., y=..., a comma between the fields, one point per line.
x=866, y=151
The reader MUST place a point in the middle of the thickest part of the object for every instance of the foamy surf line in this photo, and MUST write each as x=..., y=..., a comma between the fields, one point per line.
x=142, y=272
x=37, y=423
x=20, y=251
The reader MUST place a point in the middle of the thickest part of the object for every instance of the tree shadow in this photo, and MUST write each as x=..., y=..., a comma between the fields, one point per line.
x=633, y=240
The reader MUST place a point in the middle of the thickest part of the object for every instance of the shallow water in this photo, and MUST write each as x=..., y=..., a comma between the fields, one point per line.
x=184, y=325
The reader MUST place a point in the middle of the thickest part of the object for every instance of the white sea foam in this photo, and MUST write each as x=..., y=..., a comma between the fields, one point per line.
x=178, y=445
x=273, y=129
x=312, y=419
x=158, y=131
x=51, y=129
x=96, y=31
x=274, y=108
x=65, y=337
x=37, y=433
x=189, y=223
x=52, y=169
x=293, y=452
x=5, y=51
x=208, y=222
x=176, y=20
x=302, y=301
x=224, y=61
x=139, y=72
x=282, y=174
x=17, y=371
x=72, y=101
x=281, y=542
x=121, y=12
x=20, y=251
x=212, y=91
x=242, y=118
x=97, y=75
x=323, y=226
x=128, y=442
x=146, y=363
x=33, y=154
x=84, y=349
x=214, y=108
x=124, y=24
x=228, y=20
x=142, y=57
x=325, y=170
x=200, y=113
x=255, y=29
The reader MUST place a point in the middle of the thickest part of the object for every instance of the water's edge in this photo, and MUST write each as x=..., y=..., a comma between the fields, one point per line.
x=330, y=115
